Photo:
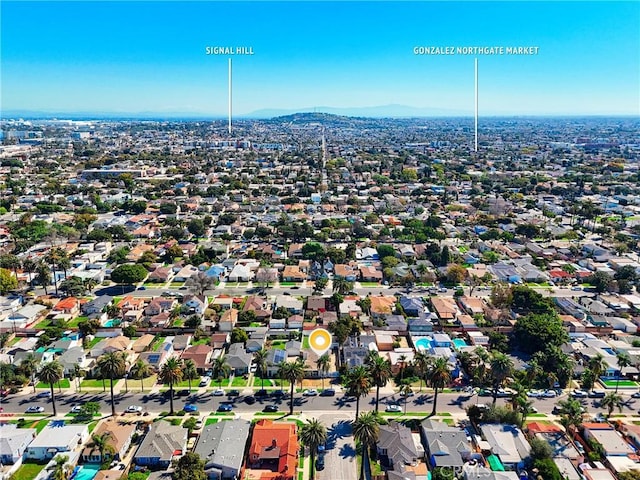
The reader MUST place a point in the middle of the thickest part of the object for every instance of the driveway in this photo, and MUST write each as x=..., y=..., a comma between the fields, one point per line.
x=340, y=456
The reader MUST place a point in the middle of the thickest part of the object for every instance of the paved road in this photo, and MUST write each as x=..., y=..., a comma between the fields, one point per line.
x=454, y=403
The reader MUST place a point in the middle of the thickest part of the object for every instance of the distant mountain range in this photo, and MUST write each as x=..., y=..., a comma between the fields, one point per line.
x=381, y=111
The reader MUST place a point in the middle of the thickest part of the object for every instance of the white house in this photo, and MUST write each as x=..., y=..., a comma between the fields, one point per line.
x=56, y=437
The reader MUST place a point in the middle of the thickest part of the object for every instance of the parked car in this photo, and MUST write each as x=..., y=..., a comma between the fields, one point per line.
x=261, y=393
x=225, y=407
x=204, y=381
x=549, y=394
x=233, y=393
x=199, y=423
x=579, y=394
x=597, y=393
x=393, y=408
x=311, y=392
x=218, y=392
x=76, y=409
x=328, y=392
x=279, y=394
x=249, y=399
x=133, y=409
x=46, y=394
x=190, y=407
x=270, y=408
x=635, y=395
x=183, y=393
x=34, y=409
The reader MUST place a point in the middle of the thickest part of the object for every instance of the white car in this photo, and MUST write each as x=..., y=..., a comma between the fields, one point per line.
x=534, y=393
x=218, y=392
x=549, y=394
x=76, y=409
x=35, y=409
x=311, y=392
x=579, y=394
x=393, y=408
x=204, y=381
x=133, y=409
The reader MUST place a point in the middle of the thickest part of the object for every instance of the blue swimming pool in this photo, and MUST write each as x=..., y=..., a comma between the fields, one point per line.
x=423, y=343
x=87, y=472
x=459, y=343
x=113, y=322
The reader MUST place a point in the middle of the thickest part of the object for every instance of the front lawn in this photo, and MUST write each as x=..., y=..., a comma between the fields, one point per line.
x=148, y=383
x=305, y=342
x=38, y=425
x=238, y=382
x=157, y=343
x=94, y=342
x=28, y=471
x=74, y=323
x=41, y=325
x=93, y=383
x=64, y=383
x=369, y=284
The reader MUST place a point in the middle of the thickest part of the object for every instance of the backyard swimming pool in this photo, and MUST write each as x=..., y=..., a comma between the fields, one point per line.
x=422, y=343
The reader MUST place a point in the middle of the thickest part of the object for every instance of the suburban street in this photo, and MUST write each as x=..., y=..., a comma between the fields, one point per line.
x=155, y=403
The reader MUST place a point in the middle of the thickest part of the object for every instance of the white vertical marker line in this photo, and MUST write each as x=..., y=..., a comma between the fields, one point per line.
x=476, y=101
x=229, y=96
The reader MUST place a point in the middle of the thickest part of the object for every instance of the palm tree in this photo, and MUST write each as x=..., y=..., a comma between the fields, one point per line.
x=405, y=390
x=293, y=372
x=171, y=373
x=597, y=365
x=220, y=369
x=29, y=366
x=482, y=357
x=624, y=361
x=30, y=266
x=402, y=360
x=322, y=363
x=111, y=365
x=43, y=275
x=313, y=434
x=421, y=363
x=571, y=412
x=612, y=400
x=342, y=286
x=438, y=377
x=78, y=373
x=358, y=383
x=189, y=371
x=366, y=429
x=501, y=368
x=260, y=359
x=140, y=370
x=101, y=442
x=60, y=468
x=51, y=373
x=379, y=370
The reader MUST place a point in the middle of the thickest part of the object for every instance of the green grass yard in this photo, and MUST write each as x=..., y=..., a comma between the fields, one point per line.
x=64, y=383
x=93, y=383
x=28, y=471
x=238, y=382
x=621, y=384
x=74, y=323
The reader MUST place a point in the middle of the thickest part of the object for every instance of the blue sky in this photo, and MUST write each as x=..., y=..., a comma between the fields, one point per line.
x=150, y=56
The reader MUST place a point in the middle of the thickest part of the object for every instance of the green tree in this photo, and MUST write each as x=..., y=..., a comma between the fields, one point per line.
x=171, y=373
x=29, y=367
x=239, y=335
x=501, y=369
x=139, y=371
x=51, y=373
x=366, y=429
x=624, y=361
x=189, y=467
x=313, y=251
x=196, y=227
x=319, y=285
x=60, y=468
x=538, y=332
x=8, y=281
x=357, y=383
x=293, y=372
x=438, y=376
x=88, y=410
x=313, y=434
x=385, y=251
x=111, y=366
x=220, y=369
x=129, y=274
x=600, y=281
x=342, y=285
x=571, y=412
x=456, y=274
x=322, y=364
x=379, y=370
x=189, y=371
x=498, y=341
x=260, y=359
x=102, y=443
x=612, y=400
